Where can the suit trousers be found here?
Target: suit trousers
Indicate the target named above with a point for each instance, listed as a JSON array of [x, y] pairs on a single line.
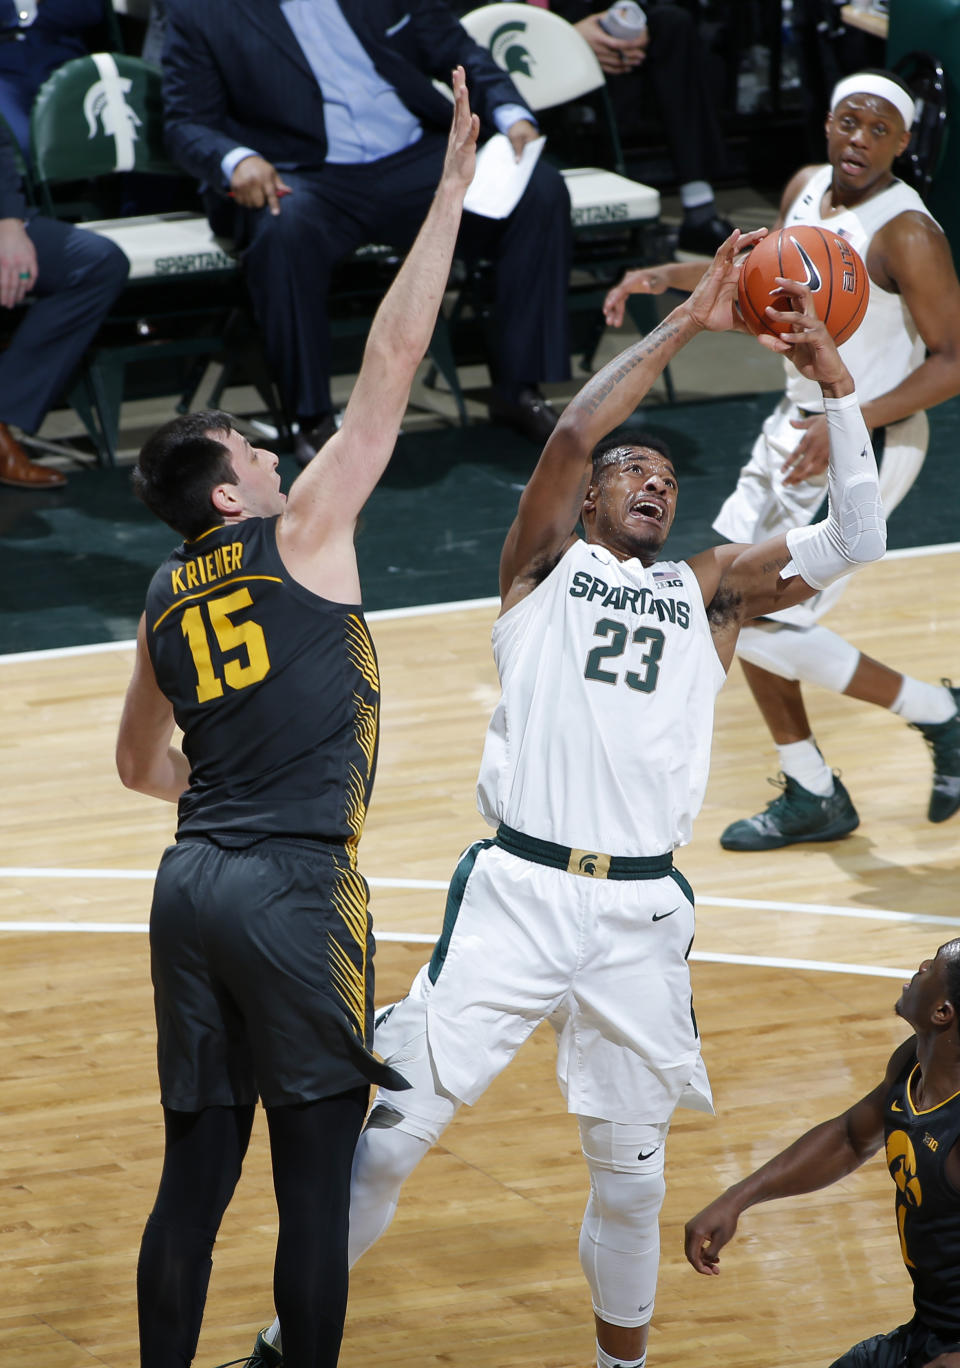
[[673, 86], [288, 258], [79, 275]]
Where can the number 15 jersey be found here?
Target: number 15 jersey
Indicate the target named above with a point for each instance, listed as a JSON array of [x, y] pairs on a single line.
[[601, 739], [276, 690]]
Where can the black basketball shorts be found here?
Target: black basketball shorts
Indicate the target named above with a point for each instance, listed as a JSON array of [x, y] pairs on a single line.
[[262, 964]]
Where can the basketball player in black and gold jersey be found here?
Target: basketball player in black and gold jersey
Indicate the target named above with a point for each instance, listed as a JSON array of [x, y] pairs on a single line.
[[915, 1112], [253, 643]]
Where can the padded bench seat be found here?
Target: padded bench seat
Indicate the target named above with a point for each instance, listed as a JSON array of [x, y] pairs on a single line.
[[161, 245], [179, 244], [599, 197]]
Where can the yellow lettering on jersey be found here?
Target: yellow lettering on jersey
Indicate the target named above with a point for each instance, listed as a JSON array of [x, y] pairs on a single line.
[[206, 569], [931, 1143]]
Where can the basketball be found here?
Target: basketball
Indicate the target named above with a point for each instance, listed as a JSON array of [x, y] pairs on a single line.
[[823, 260]]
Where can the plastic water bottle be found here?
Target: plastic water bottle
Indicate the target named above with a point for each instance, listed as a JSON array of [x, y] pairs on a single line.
[[625, 19]]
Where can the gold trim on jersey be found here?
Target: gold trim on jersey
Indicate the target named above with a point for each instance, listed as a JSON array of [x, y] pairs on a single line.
[[924, 1111], [354, 811], [360, 650], [365, 729], [213, 589], [349, 901], [192, 541]]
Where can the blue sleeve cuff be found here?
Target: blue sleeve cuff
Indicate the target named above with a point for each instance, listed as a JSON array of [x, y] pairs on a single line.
[[232, 159], [505, 116]]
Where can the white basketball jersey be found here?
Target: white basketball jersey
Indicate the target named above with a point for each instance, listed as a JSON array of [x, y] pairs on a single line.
[[601, 739], [886, 347]]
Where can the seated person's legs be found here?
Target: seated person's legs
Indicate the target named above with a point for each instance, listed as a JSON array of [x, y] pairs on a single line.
[[78, 276], [287, 259]]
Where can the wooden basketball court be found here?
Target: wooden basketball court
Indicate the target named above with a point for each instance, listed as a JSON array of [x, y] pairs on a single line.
[[798, 961]]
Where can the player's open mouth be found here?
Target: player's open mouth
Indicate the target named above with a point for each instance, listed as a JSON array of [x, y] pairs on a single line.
[[648, 508], [851, 166]]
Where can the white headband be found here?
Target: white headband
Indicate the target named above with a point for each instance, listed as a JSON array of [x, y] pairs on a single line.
[[867, 83]]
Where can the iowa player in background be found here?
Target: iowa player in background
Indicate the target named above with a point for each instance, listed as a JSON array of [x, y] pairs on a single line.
[[915, 1112], [254, 643]]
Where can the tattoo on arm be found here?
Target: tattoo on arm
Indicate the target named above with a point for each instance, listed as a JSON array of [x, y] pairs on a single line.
[[597, 392]]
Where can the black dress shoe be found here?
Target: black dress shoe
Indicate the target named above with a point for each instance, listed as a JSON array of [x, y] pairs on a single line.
[[528, 413], [307, 444], [703, 239]]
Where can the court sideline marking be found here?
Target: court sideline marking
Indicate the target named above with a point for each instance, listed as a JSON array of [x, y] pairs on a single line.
[[439, 885], [391, 614]]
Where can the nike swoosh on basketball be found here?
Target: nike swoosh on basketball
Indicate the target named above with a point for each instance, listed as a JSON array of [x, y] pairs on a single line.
[[813, 275], [662, 916]]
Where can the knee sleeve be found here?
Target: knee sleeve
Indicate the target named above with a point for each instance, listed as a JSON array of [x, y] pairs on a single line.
[[812, 655], [385, 1157], [620, 1235]]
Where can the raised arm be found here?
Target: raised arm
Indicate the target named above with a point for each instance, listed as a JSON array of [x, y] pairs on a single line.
[[743, 582], [823, 1155], [317, 525], [682, 275], [550, 505]]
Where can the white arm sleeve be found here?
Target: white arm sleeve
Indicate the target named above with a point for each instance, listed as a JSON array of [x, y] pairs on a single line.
[[854, 531]]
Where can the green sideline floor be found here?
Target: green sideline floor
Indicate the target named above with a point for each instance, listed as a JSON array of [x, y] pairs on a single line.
[[74, 564]]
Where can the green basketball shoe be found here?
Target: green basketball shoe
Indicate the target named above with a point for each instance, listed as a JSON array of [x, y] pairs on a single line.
[[797, 815], [943, 738], [264, 1355]]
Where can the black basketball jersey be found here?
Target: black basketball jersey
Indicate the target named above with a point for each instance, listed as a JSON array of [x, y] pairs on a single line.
[[927, 1205], [276, 690]]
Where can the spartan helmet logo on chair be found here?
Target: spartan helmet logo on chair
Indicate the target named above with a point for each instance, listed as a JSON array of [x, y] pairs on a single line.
[[104, 103], [509, 51]]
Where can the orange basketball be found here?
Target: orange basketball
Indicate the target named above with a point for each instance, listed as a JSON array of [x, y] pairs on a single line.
[[823, 260]]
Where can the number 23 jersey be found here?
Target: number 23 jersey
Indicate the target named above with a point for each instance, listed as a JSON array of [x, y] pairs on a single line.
[[601, 739], [275, 688]]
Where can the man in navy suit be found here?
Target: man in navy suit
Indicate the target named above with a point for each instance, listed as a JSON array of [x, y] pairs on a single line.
[[315, 127], [37, 36], [72, 277]]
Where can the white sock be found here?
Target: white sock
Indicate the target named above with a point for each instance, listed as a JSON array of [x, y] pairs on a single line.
[[802, 761], [605, 1360], [919, 702], [272, 1336], [695, 193]]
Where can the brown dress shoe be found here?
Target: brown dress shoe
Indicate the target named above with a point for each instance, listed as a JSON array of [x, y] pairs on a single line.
[[17, 469]]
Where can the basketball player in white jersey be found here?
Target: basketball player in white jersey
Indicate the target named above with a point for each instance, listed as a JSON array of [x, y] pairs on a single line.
[[905, 357], [593, 771]]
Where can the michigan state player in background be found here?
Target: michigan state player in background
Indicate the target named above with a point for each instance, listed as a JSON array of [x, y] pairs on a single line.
[[594, 768], [254, 643], [904, 358], [915, 1113]]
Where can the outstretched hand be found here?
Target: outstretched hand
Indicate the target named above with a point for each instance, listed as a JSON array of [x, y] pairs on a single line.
[[460, 161], [705, 1234], [642, 280], [713, 304], [805, 341]]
